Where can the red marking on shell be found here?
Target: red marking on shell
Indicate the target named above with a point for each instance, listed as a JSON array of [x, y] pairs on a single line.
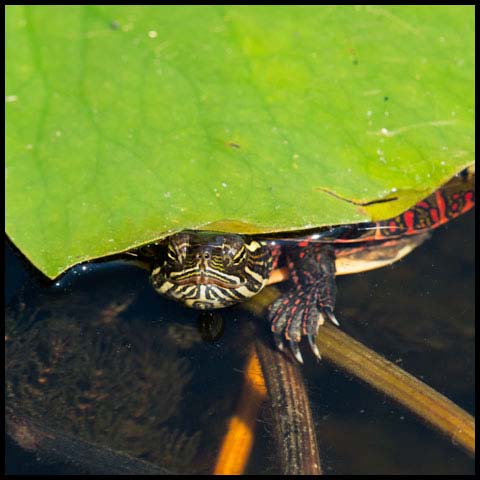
[[441, 206], [304, 243], [434, 215], [301, 254], [469, 203], [454, 207], [392, 226], [455, 196], [409, 218], [423, 204]]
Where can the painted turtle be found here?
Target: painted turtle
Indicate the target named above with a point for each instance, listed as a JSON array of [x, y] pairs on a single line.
[[207, 270]]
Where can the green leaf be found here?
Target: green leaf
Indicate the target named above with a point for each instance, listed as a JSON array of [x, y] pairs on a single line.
[[127, 123]]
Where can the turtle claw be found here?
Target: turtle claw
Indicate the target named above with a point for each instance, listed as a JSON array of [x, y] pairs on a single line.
[[294, 348], [313, 346], [303, 320], [279, 342], [327, 312]]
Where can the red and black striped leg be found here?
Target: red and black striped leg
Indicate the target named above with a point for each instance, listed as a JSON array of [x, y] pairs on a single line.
[[300, 311]]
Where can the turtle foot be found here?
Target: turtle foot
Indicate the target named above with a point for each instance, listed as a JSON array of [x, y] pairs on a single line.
[[295, 315]]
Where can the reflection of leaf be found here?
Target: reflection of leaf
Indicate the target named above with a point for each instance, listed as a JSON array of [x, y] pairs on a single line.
[[127, 123]]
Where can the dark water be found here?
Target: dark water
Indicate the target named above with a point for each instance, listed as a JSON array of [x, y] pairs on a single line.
[[102, 360]]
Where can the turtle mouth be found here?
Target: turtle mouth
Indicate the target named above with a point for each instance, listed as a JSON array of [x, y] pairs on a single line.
[[203, 279]]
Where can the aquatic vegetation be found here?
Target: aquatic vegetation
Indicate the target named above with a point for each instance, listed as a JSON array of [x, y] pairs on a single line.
[[103, 379]]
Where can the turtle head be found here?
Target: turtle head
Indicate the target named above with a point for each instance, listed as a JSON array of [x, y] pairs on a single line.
[[208, 270]]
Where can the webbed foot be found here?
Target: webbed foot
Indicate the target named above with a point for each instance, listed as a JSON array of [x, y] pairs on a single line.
[[295, 315], [300, 312]]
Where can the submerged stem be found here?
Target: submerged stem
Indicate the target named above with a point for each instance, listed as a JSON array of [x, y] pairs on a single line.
[[293, 426], [430, 405], [345, 352]]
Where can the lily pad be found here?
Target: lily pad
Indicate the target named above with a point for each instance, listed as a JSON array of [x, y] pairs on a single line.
[[127, 123]]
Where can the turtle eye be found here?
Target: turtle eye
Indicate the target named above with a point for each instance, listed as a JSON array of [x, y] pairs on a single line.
[[227, 260], [239, 256], [174, 255], [171, 254]]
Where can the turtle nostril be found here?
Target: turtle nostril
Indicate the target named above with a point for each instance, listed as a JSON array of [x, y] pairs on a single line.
[[206, 255]]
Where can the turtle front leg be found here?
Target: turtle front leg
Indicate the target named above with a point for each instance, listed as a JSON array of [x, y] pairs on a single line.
[[300, 311]]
